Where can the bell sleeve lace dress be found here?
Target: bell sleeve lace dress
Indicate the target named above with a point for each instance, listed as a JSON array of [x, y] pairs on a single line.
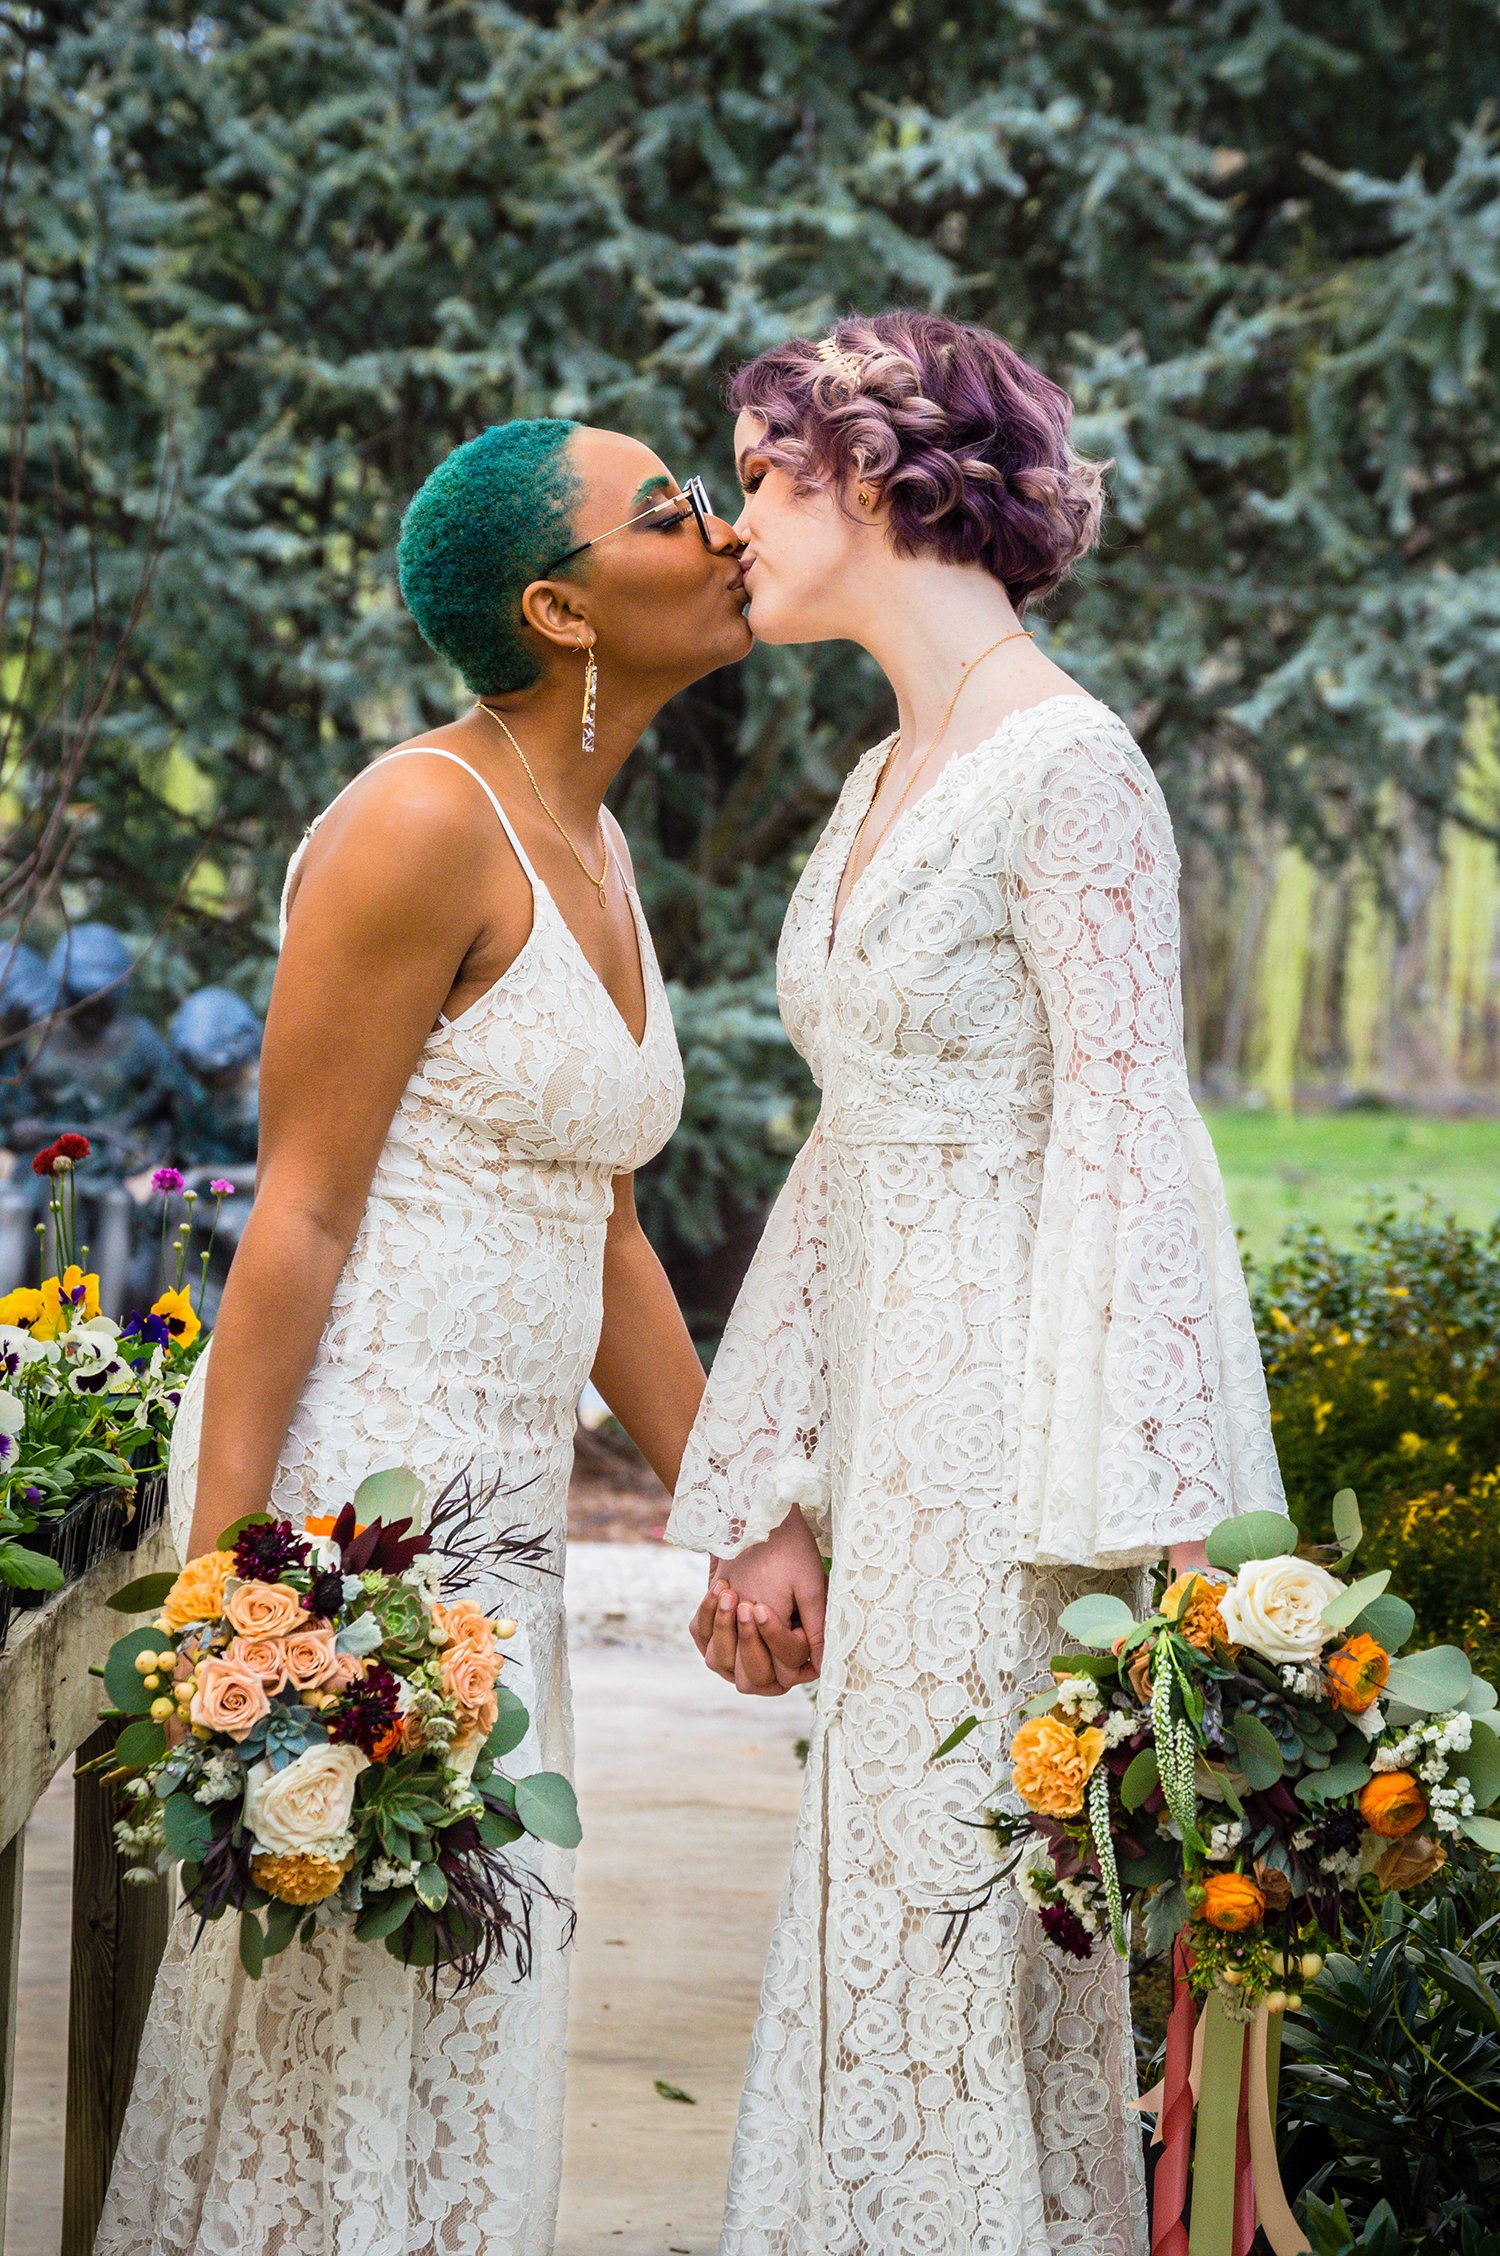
[[996, 1344]]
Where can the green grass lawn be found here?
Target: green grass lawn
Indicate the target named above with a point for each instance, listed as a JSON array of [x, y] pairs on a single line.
[[1323, 1167]]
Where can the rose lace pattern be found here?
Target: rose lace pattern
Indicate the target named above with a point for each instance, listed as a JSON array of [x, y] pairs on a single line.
[[334, 2107], [996, 1343]]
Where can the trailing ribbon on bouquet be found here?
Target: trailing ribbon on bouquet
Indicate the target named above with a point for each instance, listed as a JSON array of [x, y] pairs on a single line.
[[1216, 2102]]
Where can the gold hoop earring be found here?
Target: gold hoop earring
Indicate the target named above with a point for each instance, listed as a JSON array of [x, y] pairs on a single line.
[[590, 700], [866, 500]]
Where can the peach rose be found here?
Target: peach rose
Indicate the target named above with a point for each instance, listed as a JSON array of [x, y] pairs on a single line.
[[1356, 1673], [348, 1668], [1392, 1804], [1232, 1903], [310, 1657], [265, 1657], [230, 1697], [462, 1623], [264, 1609], [198, 1592], [468, 1674], [1051, 1764]]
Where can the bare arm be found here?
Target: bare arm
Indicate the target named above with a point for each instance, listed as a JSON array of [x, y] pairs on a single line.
[[647, 1367], [383, 920]]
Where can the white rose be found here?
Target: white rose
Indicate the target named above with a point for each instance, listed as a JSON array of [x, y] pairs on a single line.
[[293, 1810], [1276, 1606]]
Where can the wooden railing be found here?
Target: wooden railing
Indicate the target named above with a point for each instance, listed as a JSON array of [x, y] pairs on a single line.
[[49, 1712]]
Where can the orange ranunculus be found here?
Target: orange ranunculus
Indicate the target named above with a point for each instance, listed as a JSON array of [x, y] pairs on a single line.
[[389, 1743], [265, 1609], [1051, 1764], [463, 1623], [1232, 1902], [198, 1592], [324, 1523], [1392, 1804], [1191, 1601], [1356, 1673]]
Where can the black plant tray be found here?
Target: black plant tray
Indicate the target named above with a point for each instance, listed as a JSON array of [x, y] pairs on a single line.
[[72, 1538], [150, 1511]]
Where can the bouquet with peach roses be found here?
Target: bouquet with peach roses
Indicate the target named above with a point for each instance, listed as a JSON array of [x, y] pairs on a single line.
[[1241, 1764], [312, 1724]]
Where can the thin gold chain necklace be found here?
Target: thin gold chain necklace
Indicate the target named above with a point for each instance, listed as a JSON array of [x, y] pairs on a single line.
[[1016, 634], [600, 882]]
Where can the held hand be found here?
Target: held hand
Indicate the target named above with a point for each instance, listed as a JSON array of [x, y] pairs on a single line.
[[764, 1633]]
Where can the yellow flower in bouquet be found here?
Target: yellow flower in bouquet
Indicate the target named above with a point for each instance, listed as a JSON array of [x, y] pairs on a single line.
[[1192, 1602], [180, 1316], [198, 1592], [1356, 1673], [55, 1290], [1051, 1764], [301, 1879]]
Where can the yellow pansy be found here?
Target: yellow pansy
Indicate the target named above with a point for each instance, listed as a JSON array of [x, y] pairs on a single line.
[[23, 1306], [180, 1316], [56, 1291]]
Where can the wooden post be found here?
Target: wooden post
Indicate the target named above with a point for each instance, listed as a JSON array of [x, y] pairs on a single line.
[[119, 1933], [10, 1970]]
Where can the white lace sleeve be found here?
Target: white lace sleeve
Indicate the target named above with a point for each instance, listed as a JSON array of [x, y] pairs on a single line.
[[1144, 1412], [756, 1447]]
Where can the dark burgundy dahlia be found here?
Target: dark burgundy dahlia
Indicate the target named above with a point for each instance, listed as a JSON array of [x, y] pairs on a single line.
[[263, 1553], [1066, 1930], [368, 1710]]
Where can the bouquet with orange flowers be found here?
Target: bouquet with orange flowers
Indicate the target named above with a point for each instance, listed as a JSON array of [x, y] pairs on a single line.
[[312, 1727], [1239, 1765]]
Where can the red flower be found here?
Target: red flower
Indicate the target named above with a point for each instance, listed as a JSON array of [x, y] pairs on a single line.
[[46, 1161], [73, 1146]]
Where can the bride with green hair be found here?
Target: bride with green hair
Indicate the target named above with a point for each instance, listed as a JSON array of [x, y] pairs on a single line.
[[467, 1054]]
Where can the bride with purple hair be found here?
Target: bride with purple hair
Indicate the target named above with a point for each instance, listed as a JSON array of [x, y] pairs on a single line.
[[995, 1347]]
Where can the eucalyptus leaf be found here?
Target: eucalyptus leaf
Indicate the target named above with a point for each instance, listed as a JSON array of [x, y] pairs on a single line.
[[1140, 1780], [140, 1744], [1250, 1535], [548, 1808], [1260, 1756], [955, 1738], [252, 1944], [1484, 1830], [384, 1913], [189, 1827], [123, 1681], [1481, 1698], [146, 1595], [1347, 1525], [1388, 1619], [1480, 1765], [1346, 1609], [1343, 1777], [229, 1536], [1430, 1681], [510, 1726], [395, 1494], [1097, 1619]]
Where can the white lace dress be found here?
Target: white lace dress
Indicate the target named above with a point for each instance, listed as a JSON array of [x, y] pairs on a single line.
[[996, 1343], [333, 2108]]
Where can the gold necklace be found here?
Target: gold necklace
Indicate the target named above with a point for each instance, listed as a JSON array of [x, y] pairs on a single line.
[[598, 883], [856, 874]]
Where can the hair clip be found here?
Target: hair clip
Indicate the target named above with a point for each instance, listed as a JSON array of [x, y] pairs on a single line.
[[848, 366]]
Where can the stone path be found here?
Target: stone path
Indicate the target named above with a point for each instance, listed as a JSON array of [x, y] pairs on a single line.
[[688, 1794]]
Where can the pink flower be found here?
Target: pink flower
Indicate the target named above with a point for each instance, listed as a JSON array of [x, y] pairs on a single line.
[[264, 1656], [310, 1657], [220, 1188], [168, 1180], [230, 1698], [264, 1609]]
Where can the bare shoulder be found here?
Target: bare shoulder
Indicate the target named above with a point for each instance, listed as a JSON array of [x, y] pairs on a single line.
[[406, 829]]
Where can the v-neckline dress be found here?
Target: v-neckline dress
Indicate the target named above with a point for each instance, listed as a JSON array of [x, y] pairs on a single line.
[[996, 1344], [334, 2108]]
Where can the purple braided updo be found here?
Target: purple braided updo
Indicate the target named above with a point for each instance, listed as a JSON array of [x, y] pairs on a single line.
[[965, 441]]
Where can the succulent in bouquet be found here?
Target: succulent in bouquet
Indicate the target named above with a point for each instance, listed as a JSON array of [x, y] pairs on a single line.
[[1244, 1763], [313, 1724]]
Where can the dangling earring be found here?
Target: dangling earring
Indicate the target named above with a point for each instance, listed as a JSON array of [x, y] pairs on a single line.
[[590, 701]]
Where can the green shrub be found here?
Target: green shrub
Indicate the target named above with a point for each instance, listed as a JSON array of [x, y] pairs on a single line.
[[1383, 1362], [1391, 2087]]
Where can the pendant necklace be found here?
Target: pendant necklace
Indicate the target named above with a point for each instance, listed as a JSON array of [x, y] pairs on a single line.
[[600, 882]]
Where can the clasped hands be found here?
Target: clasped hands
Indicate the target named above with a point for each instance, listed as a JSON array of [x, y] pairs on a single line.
[[760, 1624]]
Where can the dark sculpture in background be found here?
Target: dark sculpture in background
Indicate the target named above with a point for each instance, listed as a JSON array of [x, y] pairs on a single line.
[[74, 1055]]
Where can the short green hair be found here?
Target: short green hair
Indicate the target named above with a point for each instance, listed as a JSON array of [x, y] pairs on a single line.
[[487, 522]]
